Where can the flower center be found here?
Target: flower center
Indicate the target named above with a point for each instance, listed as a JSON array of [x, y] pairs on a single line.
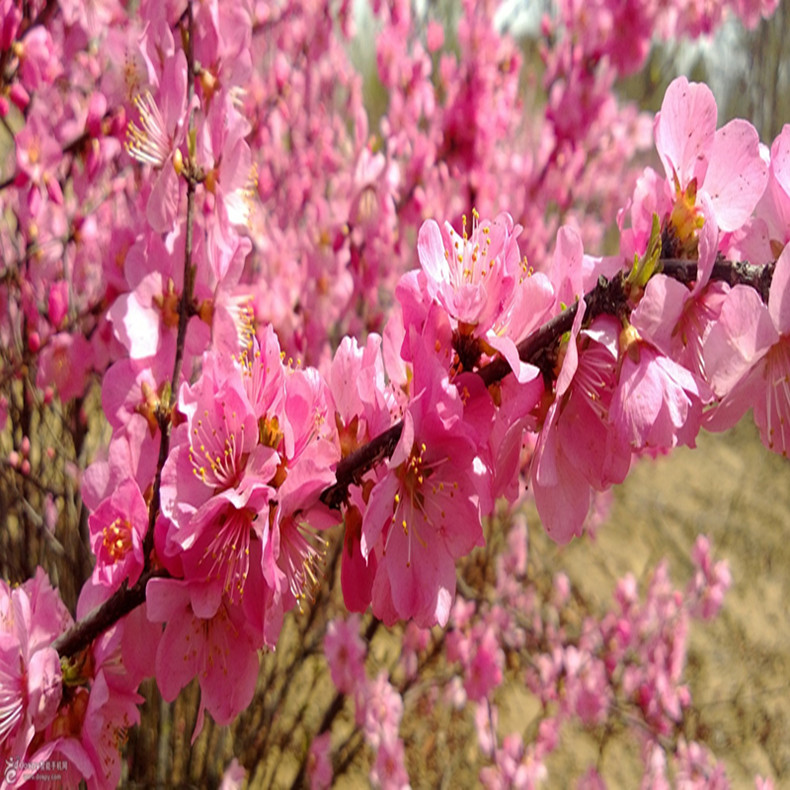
[[117, 539]]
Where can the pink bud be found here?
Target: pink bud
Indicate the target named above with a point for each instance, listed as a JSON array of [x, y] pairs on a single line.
[[50, 513], [562, 589], [53, 190], [97, 107], [434, 37], [25, 468], [33, 201], [25, 446], [19, 96], [58, 303], [34, 342]]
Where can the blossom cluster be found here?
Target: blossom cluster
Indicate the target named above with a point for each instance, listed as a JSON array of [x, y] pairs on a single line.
[[191, 222], [626, 663]]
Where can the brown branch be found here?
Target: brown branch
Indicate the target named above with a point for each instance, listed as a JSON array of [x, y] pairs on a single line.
[[104, 616]]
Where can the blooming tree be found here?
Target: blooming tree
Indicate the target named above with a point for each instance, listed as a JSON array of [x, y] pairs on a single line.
[[322, 341]]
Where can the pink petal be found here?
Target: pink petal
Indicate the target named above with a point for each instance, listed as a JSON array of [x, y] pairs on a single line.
[[780, 159], [430, 250], [507, 348], [230, 682], [162, 207], [737, 174], [779, 296], [685, 129], [562, 497], [660, 310], [740, 337], [708, 242], [567, 273]]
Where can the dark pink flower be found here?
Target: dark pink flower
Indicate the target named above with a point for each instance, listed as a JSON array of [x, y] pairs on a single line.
[[117, 529], [425, 512], [205, 638]]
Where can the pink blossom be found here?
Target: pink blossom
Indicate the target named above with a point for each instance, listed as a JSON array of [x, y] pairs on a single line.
[[747, 354], [233, 777], [156, 140], [38, 63], [31, 617], [484, 286], [319, 762], [379, 709], [470, 275], [225, 156], [774, 206], [577, 450], [130, 454], [695, 154], [486, 721], [711, 580], [345, 653], [424, 513], [389, 769], [145, 318], [65, 362], [484, 673], [117, 528], [204, 637], [515, 766], [308, 455], [657, 403]]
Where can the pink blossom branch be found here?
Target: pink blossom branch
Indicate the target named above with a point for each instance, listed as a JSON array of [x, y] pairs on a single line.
[[609, 296], [104, 616], [126, 599]]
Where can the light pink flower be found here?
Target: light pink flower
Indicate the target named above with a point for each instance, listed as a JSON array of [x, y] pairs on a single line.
[[31, 617], [155, 141], [484, 286], [747, 356], [724, 163], [657, 404], [379, 709]]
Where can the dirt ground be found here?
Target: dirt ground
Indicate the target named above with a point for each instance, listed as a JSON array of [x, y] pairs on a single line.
[[738, 667]]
